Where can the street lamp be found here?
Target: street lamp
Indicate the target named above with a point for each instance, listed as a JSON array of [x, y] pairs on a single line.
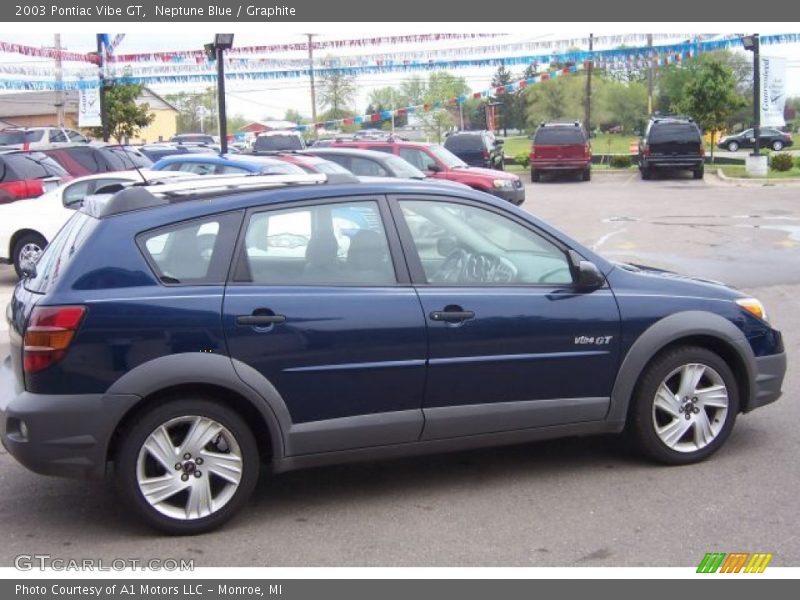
[[756, 164], [216, 51]]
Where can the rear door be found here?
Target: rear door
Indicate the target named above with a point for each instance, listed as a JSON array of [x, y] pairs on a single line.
[[471, 149], [556, 143], [320, 303]]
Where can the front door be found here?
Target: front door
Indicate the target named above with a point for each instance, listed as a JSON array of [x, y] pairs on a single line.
[[321, 307], [512, 343]]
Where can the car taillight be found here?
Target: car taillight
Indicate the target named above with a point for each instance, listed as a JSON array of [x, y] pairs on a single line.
[[486, 155], [49, 334], [702, 150], [646, 151], [17, 190]]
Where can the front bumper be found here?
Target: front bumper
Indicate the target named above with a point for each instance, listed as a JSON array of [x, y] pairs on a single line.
[[770, 371], [515, 196], [67, 435]]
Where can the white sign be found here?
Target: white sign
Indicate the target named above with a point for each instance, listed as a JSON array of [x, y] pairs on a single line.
[[89, 107], [773, 90]]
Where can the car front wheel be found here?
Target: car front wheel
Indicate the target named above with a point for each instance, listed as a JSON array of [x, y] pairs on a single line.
[[733, 146], [187, 466], [684, 406], [777, 145]]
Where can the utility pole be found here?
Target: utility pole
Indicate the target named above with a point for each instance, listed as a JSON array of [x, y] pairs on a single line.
[[59, 82], [649, 76], [587, 122], [311, 74], [221, 112], [101, 55]]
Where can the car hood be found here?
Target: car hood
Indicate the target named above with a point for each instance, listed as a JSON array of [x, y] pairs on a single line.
[[677, 283], [489, 173]]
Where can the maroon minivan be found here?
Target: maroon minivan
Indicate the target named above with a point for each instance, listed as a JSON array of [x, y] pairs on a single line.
[[561, 146]]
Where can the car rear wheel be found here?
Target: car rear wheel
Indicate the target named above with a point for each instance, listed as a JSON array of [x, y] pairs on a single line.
[[27, 250], [586, 175], [698, 173], [684, 406], [777, 145], [647, 173], [536, 175], [187, 466], [733, 146]]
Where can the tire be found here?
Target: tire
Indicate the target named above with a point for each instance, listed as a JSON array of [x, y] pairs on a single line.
[[777, 145], [733, 146], [536, 175], [658, 412], [698, 173], [179, 513], [24, 249], [646, 173], [586, 174]]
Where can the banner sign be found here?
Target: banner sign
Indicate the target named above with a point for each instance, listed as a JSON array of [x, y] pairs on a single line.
[[773, 90], [89, 107]]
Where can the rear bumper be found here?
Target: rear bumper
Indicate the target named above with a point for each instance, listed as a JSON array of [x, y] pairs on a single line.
[[67, 435], [770, 371], [561, 165], [672, 162]]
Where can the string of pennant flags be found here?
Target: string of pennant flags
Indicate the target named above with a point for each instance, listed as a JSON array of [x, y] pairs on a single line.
[[610, 59]]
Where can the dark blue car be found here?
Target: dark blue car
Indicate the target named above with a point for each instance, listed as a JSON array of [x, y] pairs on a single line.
[[225, 164], [191, 332]]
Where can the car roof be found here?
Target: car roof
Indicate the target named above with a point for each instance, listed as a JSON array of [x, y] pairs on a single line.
[[344, 151], [388, 142], [248, 160]]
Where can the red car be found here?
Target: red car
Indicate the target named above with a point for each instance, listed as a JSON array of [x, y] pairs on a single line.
[[310, 164], [436, 161], [561, 147]]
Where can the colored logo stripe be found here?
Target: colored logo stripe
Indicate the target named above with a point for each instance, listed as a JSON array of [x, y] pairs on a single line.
[[734, 562], [711, 562], [758, 563]]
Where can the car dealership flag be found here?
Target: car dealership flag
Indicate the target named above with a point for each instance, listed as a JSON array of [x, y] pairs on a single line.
[[89, 107], [773, 90]]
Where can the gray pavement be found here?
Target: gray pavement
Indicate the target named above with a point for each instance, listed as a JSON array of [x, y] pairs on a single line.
[[572, 502]]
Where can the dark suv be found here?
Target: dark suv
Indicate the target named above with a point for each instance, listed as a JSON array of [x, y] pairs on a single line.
[[561, 147], [190, 332], [477, 148], [671, 143]]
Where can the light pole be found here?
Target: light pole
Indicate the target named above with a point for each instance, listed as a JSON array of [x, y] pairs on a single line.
[[216, 50], [756, 164]]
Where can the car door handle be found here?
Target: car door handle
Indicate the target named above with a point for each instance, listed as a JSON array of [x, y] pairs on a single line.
[[260, 319], [452, 316]]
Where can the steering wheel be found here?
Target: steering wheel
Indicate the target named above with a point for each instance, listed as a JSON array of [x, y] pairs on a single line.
[[550, 273], [489, 268], [453, 267]]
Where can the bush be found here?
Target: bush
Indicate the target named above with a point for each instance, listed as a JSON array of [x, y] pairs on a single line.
[[620, 161], [523, 159], [797, 162], [781, 162]]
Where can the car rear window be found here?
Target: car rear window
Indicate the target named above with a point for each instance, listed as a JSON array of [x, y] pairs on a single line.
[[464, 143], [60, 252], [20, 137], [273, 143], [559, 136], [673, 132], [29, 166]]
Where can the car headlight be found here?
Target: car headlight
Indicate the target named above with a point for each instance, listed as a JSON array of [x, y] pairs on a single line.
[[754, 307], [503, 184]]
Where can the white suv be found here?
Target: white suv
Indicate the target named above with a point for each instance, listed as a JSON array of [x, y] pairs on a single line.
[[279, 141], [40, 138]]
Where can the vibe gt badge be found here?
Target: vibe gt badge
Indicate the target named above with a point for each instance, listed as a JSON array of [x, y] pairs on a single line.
[[600, 340]]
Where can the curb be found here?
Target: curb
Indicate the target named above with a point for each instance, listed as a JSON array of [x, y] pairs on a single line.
[[751, 181]]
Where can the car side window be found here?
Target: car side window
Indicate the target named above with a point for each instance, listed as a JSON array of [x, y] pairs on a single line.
[[74, 136], [57, 135], [418, 158], [460, 244], [198, 168], [365, 167], [327, 244], [190, 252], [230, 170]]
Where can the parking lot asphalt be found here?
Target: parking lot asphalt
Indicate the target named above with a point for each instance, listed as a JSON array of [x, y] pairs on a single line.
[[571, 502]]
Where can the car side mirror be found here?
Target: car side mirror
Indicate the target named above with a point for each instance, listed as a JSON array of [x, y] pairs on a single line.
[[434, 168], [499, 142], [587, 275]]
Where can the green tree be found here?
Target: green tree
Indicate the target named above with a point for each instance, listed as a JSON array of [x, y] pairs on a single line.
[[413, 91], [123, 115], [710, 96], [621, 103], [194, 106], [294, 116], [560, 98], [337, 92], [441, 87]]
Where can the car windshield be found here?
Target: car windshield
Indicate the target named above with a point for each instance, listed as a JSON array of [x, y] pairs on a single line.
[[403, 168], [20, 137], [447, 157], [328, 167], [274, 143], [280, 168], [465, 142]]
